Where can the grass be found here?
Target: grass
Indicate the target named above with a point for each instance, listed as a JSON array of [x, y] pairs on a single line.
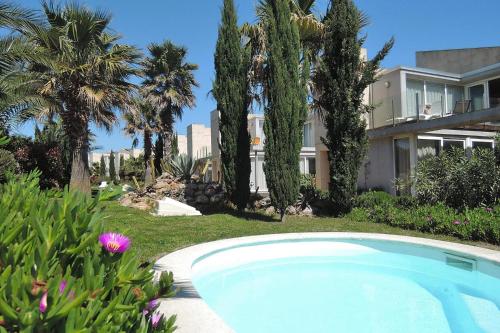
[[153, 237]]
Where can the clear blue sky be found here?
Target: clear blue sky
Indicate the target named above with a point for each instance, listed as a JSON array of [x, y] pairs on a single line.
[[416, 25]]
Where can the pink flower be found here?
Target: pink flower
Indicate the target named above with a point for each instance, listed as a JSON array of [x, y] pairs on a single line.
[[156, 319], [466, 221], [456, 222], [114, 243], [43, 303], [62, 286], [152, 305], [489, 209]]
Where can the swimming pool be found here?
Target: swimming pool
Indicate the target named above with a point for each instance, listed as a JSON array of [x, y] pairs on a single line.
[[331, 284]]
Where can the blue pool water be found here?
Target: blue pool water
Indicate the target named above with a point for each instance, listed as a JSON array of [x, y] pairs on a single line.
[[357, 290]]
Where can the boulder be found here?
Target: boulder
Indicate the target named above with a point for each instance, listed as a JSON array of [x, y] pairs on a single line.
[[202, 199]]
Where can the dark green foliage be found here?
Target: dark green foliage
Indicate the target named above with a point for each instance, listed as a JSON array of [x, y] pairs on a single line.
[[48, 152], [112, 167], [134, 167], [459, 180], [45, 241], [286, 108], [8, 164], [230, 91], [103, 168], [122, 163], [497, 148], [342, 78], [158, 154], [478, 224]]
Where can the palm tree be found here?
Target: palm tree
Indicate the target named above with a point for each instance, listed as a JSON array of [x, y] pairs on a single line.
[[144, 121], [85, 73], [168, 86], [16, 95], [310, 31]]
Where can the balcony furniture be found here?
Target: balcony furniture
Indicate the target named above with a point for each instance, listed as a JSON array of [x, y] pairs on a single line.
[[462, 106]]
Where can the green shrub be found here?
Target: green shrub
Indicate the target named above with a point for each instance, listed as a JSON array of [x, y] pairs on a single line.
[[477, 224], [459, 180], [8, 164], [55, 276]]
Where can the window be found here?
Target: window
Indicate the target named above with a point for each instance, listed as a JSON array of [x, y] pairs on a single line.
[[494, 91], [414, 98], [482, 144], [435, 97], [428, 147], [308, 136], [312, 165], [402, 159], [454, 94], [449, 144], [476, 95]]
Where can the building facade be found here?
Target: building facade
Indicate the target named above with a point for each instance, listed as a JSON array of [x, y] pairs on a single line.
[[450, 99], [423, 110], [198, 141]]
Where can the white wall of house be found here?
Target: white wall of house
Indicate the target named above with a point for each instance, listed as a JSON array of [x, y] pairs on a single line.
[[198, 141], [182, 144]]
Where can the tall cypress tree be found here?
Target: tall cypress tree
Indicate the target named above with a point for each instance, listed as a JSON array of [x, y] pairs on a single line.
[[102, 168], [112, 167], [286, 107], [230, 91], [342, 78], [158, 154]]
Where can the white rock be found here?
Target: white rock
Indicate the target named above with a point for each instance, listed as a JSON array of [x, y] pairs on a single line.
[[171, 207]]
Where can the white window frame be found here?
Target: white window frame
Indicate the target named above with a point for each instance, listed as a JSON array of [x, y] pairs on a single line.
[[445, 102], [472, 140], [486, 100]]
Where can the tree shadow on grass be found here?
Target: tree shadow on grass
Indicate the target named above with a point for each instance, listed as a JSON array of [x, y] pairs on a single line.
[[247, 215]]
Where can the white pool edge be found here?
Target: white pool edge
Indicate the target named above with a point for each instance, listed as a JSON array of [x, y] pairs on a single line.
[[195, 316]]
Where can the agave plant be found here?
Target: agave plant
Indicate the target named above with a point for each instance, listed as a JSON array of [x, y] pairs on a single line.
[[181, 166]]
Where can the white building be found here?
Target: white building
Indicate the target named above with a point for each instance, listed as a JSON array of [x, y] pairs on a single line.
[[198, 141]]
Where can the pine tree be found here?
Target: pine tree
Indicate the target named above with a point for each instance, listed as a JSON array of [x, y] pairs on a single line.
[[342, 78], [112, 167], [286, 107], [230, 91], [102, 169]]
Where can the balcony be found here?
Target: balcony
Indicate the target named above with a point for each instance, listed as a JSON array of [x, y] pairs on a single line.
[[425, 100]]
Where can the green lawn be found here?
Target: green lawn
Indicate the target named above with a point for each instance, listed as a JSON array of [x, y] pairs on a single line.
[[153, 237]]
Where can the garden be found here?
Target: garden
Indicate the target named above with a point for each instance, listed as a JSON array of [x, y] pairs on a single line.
[[76, 257]]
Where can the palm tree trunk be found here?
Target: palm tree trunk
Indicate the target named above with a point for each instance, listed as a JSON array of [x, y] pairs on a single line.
[[167, 145], [80, 172]]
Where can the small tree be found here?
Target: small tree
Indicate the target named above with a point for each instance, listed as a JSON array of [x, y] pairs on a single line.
[[230, 92], [342, 78], [102, 169], [112, 167], [286, 107], [158, 154]]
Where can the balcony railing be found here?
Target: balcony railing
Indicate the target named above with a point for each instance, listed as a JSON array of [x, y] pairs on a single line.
[[388, 112]]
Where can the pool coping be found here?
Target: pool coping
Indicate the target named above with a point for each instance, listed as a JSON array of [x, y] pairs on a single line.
[[195, 316]]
